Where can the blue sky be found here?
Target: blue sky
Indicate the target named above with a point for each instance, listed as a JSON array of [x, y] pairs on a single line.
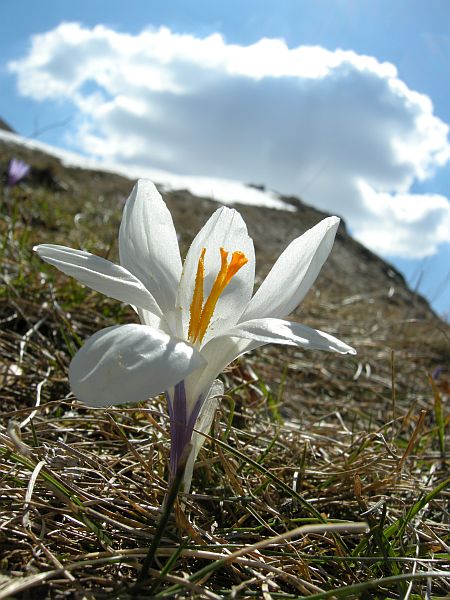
[[413, 36]]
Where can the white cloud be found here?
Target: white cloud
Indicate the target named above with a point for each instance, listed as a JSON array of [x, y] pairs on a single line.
[[425, 220], [339, 129]]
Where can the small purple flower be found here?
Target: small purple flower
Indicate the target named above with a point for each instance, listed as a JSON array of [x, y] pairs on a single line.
[[438, 371], [17, 170]]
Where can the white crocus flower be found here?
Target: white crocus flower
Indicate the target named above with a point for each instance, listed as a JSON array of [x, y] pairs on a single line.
[[195, 318]]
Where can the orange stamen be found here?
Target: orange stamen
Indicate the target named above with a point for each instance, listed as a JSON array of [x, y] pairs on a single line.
[[201, 316]]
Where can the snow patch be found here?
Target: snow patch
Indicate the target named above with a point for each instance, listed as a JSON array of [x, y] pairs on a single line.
[[225, 191]]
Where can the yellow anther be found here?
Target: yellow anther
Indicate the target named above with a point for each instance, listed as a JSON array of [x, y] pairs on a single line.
[[201, 315], [197, 297]]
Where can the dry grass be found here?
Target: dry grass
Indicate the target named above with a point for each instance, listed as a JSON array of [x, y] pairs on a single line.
[[307, 441]]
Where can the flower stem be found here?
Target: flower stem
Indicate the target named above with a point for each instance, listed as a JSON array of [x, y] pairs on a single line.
[[168, 505]]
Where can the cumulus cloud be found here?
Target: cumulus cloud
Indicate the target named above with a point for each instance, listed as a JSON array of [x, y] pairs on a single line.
[[424, 219], [339, 129]]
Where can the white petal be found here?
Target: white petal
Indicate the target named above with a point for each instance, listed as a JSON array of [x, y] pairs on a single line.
[[99, 274], [148, 244], [277, 331], [148, 318], [202, 425], [218, 353], [294, 272], [130, 363], [225, 229], [245, 337]]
